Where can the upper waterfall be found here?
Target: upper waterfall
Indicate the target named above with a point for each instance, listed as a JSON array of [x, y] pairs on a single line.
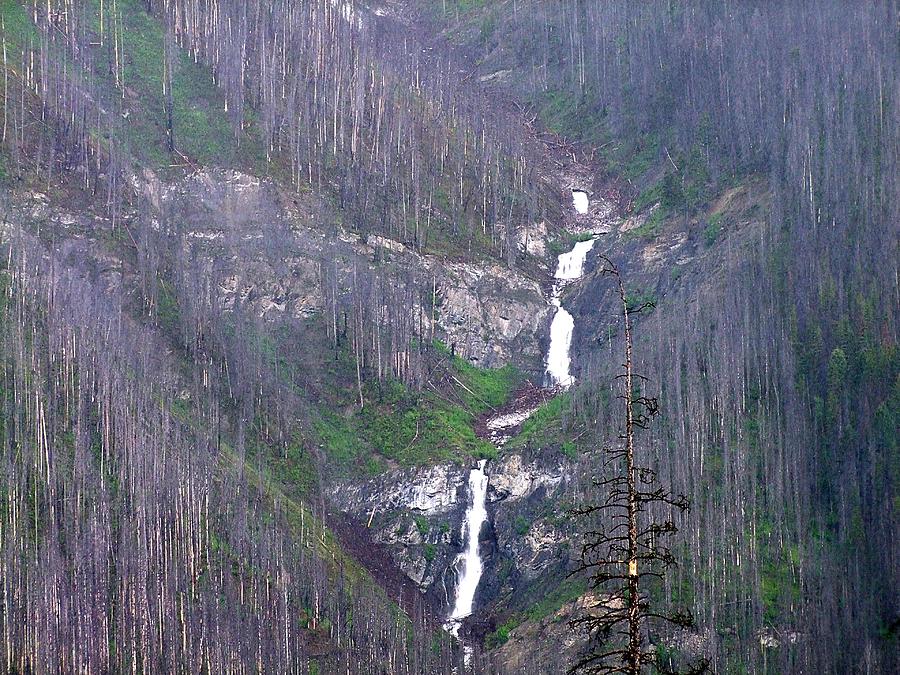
[[580, 201], [570, 266]]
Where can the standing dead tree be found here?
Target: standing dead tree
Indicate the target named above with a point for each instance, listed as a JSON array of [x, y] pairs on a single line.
[[623, 551]]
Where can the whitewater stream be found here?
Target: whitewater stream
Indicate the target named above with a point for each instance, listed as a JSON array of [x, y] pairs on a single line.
[[569, 267], [470, 558], [468, 564]]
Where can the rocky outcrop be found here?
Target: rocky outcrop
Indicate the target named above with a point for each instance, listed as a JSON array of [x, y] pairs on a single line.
[[246, 242], [264, 249], [429, 491], [512, 478], [490, 314], [418, 515]]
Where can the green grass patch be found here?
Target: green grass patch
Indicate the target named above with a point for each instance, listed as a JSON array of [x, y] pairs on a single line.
[[546, 426], [648, 197], [482, 388], [422, 525], [566, 240], [202, 130], [573, 115], [399, 426], [409, 429], [17, 28], [633, 157], [339, 438], [419, 429], [569, 449]]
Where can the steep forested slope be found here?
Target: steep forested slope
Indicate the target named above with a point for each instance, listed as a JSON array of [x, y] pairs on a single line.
[[777, 365], [137, 531], [192, 355]]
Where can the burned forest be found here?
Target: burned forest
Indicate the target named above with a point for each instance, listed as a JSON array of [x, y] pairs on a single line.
[[473, 337]]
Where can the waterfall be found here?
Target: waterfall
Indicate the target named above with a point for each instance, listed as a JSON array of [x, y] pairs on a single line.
[[570, 266], [470, 558], [468, 563], [580, 201]]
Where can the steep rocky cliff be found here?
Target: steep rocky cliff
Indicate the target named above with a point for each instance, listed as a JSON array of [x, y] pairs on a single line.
[[418, 514]]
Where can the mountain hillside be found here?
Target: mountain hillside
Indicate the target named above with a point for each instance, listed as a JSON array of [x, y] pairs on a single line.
[[310, 346]]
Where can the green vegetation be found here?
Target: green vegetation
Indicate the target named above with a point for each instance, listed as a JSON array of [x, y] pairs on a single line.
[[566, 240], [521, 525], [422, 525], [648, 197], [638, 297], [545, 427], [338, 438], [651, 227], [569, 449], [573, 116], [459, 8], [501, 635], [634, 157], [482, 388], [677, 272], [411, 428], [295, 467], [202, 130], [712, 230], [168, 314], [417, 429], [17, 25]]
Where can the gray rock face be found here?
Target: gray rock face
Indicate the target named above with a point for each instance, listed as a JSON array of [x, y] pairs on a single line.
[[429, 491], [259, 249], [245, 240], [511, 478], [418, 514], [538, 549], [491, 314]]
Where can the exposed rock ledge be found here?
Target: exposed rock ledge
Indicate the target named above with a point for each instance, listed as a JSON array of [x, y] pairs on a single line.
[[418, 514]]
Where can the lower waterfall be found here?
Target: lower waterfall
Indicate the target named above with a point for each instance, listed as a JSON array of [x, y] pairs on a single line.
[[470, 557]]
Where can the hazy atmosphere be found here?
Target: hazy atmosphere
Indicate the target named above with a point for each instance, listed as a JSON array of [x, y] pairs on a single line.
[[462, 337]]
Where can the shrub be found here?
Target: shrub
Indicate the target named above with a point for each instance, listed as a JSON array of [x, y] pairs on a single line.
[[712, 230], [521, 525]]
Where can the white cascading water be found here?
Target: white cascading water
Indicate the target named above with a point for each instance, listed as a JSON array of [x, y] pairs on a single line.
[[470, 558], [580, 201], [570, 266]]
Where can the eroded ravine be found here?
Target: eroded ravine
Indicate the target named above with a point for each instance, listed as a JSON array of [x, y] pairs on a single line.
[[503, 423]]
